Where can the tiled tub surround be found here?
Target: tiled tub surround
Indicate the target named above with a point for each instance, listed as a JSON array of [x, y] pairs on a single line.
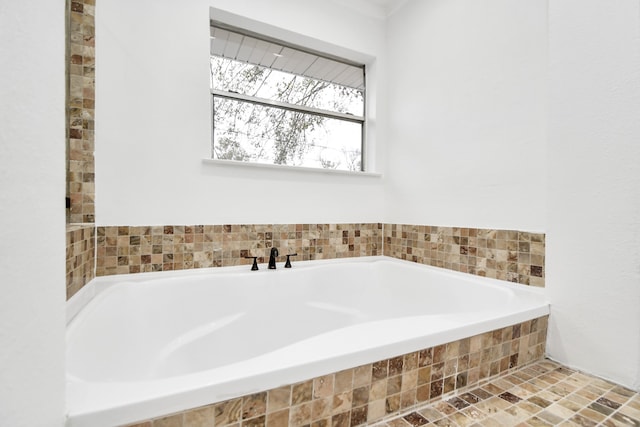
[[515, 256], [319, 317], [378, 390], [125, 249], [80, 110], [80, 256]]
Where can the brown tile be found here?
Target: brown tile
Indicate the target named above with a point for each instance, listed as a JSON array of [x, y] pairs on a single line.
[[254, 405], [260, 421], [392, 404], [423, 393], [509, 397], [360, 396], [458, 403], [321, 408], [424, 375], [395, 366], [199, 417], [342, 402], [322, 423], [169, 421], [608, 403], [436, 388], [379, 370], [228, 412], [301, 392], [624, 419], [605, 410], [582, 421], [394, 385], [341, 420], [378, 390], [300, 415], [481, 394], [362, 376], [415, 419], [444, 408], [358, 416], [323, 386], [278, 419]]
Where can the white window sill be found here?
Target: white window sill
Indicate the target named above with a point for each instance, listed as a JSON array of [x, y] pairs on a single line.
[[303, 169]]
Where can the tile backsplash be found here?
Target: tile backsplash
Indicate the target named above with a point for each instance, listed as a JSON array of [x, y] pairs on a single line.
[[515, 256], [80, 257], [510, 255], [134, 249], [80, 110]]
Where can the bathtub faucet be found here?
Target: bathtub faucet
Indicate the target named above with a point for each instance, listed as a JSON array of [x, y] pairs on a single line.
[[272, 258]]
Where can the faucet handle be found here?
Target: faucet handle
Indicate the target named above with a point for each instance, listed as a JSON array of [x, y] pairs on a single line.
[[287, 264], [254, 267]]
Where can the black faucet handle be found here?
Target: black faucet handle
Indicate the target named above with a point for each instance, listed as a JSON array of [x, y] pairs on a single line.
[[287, 264], [254, 267]]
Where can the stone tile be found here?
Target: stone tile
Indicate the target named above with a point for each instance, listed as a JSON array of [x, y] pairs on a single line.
[[415, 419]]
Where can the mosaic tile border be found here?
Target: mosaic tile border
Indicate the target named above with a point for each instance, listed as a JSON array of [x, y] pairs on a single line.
[[80, 257], [378, 390], [515, 256], [125, 249], [80, 110]]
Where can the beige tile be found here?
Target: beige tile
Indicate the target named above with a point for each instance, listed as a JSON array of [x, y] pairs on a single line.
[[376, 410], [341, 402], [169, 421], [278, 398], [300, 415], [343, 381], [278, 419], [200, 417]]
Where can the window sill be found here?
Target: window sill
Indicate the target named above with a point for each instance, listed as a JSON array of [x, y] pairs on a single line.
[[303, 169]]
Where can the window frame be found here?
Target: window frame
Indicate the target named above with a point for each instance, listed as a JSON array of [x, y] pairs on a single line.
[[361, 120]]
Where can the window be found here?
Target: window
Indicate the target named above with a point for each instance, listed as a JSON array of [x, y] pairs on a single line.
[[276, 103]]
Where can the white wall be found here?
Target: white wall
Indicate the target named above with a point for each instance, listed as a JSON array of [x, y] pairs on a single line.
[[503, 116], [495, 120], [32, 189], [153, 125], [593, 246], [467, 114]]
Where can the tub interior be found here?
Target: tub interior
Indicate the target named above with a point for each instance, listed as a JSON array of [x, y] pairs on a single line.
[[161, 327]]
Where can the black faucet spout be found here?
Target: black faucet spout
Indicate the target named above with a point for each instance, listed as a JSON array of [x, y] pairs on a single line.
[[272, 258]]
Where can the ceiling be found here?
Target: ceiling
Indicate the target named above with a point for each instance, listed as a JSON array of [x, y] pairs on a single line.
[[377, 8]]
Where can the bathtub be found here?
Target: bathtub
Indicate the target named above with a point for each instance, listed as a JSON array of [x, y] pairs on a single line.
[[149, 344]]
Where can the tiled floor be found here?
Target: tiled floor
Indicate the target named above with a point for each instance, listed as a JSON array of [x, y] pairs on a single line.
[[542, 394]]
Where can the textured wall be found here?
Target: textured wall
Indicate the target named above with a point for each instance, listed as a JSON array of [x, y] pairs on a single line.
[[467, 114], [593, 240], [153, 118], [32, 183]]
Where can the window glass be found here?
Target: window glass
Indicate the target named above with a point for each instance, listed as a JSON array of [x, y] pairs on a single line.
[[277, 104]]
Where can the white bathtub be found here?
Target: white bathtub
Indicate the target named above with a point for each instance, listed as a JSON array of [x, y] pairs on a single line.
[[144, 345]]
